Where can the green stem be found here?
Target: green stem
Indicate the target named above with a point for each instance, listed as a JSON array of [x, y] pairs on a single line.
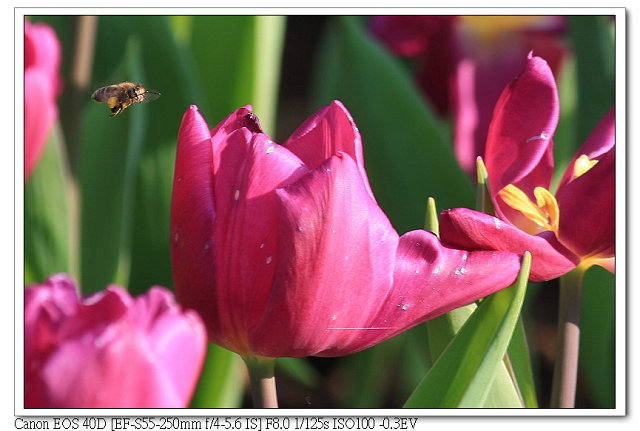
[[565, 373], [263, 381]]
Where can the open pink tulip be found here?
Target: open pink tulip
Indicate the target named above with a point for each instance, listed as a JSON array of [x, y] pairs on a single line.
[[283, 250], [42, 86], [109, 350], [464, 62], [576, 226]]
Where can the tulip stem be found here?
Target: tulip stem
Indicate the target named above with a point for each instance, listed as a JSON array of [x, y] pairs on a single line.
[[263, 381], [565, 373]]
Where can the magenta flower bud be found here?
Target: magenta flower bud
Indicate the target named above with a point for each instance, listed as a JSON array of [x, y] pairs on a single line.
[[283, 250], [109, 350], [42, 86]]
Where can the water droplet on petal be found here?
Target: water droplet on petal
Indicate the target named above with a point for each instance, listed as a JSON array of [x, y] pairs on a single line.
[[496, 221], [463, 270], [176, 237], [262, 245], [465, 256], [269, 259], [270, 149], [236, 195], [405, 306], [436, 270], [457, 271]]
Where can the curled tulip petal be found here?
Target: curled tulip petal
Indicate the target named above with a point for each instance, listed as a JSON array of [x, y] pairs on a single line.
[[473, 230], [519, 145]]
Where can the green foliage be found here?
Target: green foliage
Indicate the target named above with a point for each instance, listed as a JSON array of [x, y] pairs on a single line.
[[47, 240], [463, 374]]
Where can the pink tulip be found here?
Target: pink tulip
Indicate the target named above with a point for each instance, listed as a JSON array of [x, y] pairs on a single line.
[[576, 226], [464, 62], [42, 86], [283, 250], [109, 350]]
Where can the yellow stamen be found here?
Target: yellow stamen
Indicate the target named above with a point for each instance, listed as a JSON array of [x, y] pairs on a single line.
[[582, 165], [544, 213]]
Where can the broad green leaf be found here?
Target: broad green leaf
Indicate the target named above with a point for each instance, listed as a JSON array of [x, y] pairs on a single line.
[[237, 60], [48, 194], [594, 49], [110, 151], [463, 374], [167, 69], [408, 154], [220, 384], [518, 362], [441, 330], [597, 337]]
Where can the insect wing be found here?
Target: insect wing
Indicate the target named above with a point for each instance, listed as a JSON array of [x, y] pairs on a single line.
[[149, 96]]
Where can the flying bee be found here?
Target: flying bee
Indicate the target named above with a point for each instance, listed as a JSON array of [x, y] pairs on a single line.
[[119, 97]]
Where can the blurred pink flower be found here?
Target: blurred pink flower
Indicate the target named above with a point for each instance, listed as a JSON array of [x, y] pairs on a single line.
[[42, 86], [109, 350], [464, 62], [284, 251], [576, 226]]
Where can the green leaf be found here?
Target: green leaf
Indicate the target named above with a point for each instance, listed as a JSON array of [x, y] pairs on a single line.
[[518, 362], [597, 355], [408, 154], [111, 149], [299, 369], [47, 227], [219, 385], [594, 48], [237, 59], [463, 374]]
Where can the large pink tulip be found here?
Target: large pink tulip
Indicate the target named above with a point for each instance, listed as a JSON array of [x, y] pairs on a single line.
[[42, 86], [464, 62], [576, 226], [284, 251], [109, 350]]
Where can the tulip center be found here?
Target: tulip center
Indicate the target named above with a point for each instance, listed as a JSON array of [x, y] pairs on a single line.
[[544, 213], [582, 165]]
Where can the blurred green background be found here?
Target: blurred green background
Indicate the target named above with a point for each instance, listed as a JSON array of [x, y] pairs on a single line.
[[97, 206]]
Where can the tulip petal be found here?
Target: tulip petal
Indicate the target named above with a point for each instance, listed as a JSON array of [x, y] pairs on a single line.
[[599, 142], [333, 270], [40, 112], [587, 211], [155, 337], [519, 147], [472, 230], [327, 132], [193, 213], [109, 349], [430, 280]]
